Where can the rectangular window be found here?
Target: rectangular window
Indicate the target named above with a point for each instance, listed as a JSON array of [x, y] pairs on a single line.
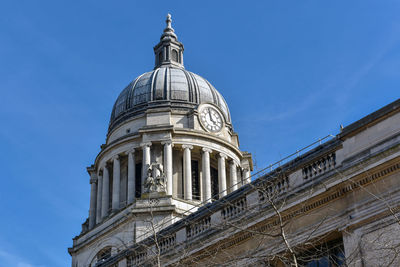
[[195, 180], [214, 184], [138, 180], [329, 254]]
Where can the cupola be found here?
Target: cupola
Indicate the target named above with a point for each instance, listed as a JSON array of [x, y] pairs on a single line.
[[169, 51]]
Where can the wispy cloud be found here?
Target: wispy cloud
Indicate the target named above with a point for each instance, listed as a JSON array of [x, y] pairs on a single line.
[[360, 73], [288, 110], [10, 259]]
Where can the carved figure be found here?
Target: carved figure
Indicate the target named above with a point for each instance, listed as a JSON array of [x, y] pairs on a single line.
[[155, 181]]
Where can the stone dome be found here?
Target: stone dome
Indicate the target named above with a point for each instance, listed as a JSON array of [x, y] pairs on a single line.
[[165, 86], [168, 85]]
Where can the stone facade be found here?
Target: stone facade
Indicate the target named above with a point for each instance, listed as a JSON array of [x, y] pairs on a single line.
[[346, 206], [172, 188]]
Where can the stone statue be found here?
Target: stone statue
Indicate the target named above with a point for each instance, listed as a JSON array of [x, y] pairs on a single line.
[[155, 181]]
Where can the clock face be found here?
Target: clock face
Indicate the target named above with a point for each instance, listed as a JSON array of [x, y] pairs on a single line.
[[211, 118]]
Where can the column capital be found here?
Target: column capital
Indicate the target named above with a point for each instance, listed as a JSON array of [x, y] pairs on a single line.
[[102, 166], [115, 157], [223, 156], [167, 142], [145, 144], [187, 146], [91, 169], [92, 172], [130, 151], [204, 149]]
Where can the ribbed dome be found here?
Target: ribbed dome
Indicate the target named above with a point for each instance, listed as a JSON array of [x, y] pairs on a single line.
[[166, 86]]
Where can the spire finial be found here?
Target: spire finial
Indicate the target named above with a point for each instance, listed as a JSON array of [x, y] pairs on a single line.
[[169, 28], [169, 20]]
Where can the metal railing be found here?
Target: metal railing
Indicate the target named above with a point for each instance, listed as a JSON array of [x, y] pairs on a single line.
[[290, 157]]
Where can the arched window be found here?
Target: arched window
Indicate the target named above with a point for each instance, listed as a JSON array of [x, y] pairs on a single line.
[[103, 254], [175, 55]]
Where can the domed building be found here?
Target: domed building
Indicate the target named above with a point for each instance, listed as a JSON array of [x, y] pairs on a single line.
[[172, 188], [170, 149]]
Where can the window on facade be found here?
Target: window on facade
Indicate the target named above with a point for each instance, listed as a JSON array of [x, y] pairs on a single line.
[[138, 180], [214, 184], [175, 56], [195, 180], [104, 254], [160, 58], [330, 254]]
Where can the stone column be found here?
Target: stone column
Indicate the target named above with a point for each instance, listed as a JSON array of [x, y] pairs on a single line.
[[233, 175], [131, 176], [206, 174], [239, 176], [105, 196], [145, 162], [222, 175], [116, 184], [168, 165], [99, 195], [246, 175], [187, 171], [93, 196]]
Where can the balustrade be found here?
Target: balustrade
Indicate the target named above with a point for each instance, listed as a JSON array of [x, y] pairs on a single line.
[[234, 209], [320, 166], [137, 259], [197, 228], [273, 188], [167, 243]]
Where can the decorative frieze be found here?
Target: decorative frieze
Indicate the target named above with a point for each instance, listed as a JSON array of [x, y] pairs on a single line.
[[320, 166], [199, 227], [234, 209]]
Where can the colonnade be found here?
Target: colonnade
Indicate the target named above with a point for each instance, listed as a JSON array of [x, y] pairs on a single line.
[[100, 180]]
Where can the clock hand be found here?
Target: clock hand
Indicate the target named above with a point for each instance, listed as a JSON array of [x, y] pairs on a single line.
[[211, 118]]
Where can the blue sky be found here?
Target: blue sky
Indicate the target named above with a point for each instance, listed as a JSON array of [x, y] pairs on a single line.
[[291, 72]]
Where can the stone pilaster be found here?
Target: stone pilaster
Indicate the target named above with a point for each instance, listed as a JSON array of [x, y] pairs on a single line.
[[168, 165], [131, 176], [187, 171], [93, 196], [99, 195], [146, 161], [116, 183], [206, 174], [233, 175], [105, 197], [222, 175], [246, 175]]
